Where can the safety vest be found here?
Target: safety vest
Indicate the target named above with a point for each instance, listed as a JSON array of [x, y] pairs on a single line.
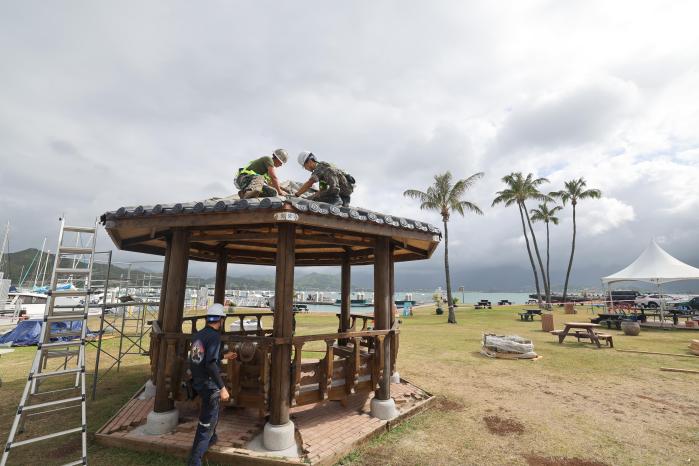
[[246, 171]]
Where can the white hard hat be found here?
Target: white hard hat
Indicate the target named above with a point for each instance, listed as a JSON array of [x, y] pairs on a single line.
[[281, 154], [304, 156], [215, 312]]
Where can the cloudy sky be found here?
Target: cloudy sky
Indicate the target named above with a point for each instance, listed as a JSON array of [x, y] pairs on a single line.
[[104, 104]]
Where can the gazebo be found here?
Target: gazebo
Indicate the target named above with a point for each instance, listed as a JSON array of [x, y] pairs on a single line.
[[271, 375]]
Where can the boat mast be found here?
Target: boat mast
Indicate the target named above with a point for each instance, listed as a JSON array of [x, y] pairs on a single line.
[[46, 263], [4, 242], [38, 266]]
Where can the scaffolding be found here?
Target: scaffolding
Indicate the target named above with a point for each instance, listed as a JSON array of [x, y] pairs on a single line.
[[129, 320]]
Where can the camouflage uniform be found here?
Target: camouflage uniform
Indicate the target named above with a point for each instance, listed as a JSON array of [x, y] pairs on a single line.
[[336, 186], [253, 186]]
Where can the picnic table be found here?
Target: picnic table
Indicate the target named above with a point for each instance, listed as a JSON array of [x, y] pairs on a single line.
[[583, 330], [529, 314]]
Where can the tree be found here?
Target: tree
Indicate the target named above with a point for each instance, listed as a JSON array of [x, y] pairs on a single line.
[[574, 191], [445, 198], [546, 215], [519, 190]]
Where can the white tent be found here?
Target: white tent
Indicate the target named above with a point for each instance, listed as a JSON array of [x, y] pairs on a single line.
[[656, 266]]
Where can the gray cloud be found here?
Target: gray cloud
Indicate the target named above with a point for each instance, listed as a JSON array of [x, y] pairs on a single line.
[[116, 104]]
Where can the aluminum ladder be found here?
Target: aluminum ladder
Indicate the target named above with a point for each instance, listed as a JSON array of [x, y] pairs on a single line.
[[50, 346]]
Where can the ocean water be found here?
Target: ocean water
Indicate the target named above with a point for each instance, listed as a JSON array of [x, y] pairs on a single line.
[[469, 297]]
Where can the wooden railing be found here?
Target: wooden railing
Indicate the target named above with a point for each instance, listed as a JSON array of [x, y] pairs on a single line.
[[355, 366]]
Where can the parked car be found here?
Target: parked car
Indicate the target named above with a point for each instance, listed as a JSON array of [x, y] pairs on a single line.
[[623, 296], [653, 301], [690, 305]]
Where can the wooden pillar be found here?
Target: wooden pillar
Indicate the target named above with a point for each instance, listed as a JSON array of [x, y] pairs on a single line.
[[280, 389], [163, 285], [221, 270], [382, 309], [345, 294], [172, 315]]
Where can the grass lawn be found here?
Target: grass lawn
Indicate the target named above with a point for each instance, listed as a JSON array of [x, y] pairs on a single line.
[[576, 405]]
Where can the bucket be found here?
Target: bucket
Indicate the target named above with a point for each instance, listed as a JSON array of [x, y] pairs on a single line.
[[630, 327], [547, 322]]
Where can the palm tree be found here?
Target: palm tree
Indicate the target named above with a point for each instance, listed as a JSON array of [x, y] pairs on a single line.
[[445, 197], [519, 190], [546, 215], [574, 191]]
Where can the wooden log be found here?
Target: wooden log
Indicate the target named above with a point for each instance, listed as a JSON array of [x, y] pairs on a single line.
[[172, 313], [220, 287], [662, 354], [684, 371], [382, 314], [345, 296], [283, 314]]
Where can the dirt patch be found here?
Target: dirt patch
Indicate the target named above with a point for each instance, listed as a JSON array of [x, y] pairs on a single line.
[[443, 403], [69, 448], [500, 426], [536, 460]]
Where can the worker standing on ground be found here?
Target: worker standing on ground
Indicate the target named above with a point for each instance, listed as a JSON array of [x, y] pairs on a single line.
[[336, 186], [204, 360], [259, 177]]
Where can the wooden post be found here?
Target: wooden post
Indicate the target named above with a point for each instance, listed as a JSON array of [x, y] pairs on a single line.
[[163, 284], [221, 270], [393, 349], [345, 295], [283, 300], [382, 310], [172, 313]]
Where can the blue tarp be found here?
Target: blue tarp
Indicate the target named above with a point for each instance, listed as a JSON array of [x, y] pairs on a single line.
[[27, 332]]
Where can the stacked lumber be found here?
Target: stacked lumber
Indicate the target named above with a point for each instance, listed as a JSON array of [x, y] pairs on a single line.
[[694, 347]]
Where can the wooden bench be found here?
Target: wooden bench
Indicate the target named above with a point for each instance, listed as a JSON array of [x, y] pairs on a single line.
[[600, 336]]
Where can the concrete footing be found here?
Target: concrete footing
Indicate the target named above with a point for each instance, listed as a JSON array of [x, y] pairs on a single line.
[[279, 438], [161, 423], [384, 409]]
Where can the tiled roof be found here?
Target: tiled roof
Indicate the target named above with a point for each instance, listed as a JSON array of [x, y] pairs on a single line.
[[299, 204]]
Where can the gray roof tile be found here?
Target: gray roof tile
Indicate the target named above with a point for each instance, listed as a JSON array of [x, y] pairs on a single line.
[[232, 204]]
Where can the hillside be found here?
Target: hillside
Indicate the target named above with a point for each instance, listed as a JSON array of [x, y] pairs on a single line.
[[16, 264]]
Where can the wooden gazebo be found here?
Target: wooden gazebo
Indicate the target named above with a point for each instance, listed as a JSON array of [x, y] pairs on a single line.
[[271, 376]]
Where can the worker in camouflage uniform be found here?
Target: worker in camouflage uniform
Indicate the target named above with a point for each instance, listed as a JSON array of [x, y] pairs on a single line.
[[336, 186], [259, 177]]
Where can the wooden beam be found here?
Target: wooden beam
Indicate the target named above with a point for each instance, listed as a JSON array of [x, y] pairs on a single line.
[[382, 309], [172, 316], [234, 237], [410, 248], [221, 271], [280, 389], [143, 238]]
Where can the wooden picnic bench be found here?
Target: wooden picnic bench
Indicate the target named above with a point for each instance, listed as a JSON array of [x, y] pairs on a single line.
[[529, 314], [585, 331]]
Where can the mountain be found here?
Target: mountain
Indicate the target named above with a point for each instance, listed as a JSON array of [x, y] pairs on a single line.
[[310, 282], [21, 267]]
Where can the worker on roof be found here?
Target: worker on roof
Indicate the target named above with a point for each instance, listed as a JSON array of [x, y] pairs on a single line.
[[205, 365], [259, 177], [336, 186]]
